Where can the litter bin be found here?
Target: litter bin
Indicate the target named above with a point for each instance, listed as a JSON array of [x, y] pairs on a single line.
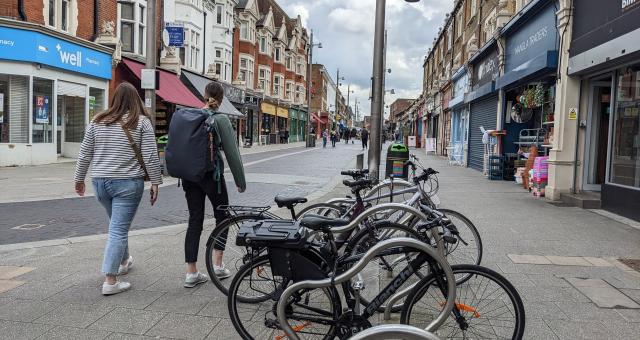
[[397, 155], [311, 140], [162, 144]]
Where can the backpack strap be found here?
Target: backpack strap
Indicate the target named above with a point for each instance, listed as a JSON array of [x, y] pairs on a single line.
[[215, 148]]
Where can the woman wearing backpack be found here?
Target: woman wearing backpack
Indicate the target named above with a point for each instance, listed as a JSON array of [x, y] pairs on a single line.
[[120, 144], [212, 186]]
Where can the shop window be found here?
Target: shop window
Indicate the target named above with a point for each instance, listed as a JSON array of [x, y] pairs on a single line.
[[42, 118], [96, 102], [14, 107], [73, 109], [625, 158]]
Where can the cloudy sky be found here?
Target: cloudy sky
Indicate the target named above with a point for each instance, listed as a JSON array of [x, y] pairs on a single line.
[[346, 28]]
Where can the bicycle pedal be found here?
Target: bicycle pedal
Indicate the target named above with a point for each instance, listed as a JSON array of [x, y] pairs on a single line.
[[450, 239]]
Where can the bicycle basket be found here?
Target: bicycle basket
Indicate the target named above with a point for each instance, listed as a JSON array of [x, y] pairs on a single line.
[[272, 233]]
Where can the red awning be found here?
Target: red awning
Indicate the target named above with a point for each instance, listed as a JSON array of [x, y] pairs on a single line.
[[171, 90], [316, 118]]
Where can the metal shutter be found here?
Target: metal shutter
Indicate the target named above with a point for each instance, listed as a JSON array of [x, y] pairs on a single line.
[[18, 109], [483, 113], [71, 89]]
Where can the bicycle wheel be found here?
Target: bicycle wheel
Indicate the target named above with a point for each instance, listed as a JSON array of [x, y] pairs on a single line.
[[323, 209], [468, 248], [313, 313], [488, 304], [383, 269], [233, 256]]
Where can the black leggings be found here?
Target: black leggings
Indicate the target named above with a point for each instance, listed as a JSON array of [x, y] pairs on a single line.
[[196, 194]]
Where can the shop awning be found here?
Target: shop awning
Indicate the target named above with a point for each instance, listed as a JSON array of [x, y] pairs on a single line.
[[199, 83], [171, 88], [315, 118], [546, 62]]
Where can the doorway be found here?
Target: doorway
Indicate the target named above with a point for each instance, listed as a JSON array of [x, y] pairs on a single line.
[[597, 134]]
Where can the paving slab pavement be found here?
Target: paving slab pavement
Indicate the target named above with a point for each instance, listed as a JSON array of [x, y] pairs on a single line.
[[60, 297]]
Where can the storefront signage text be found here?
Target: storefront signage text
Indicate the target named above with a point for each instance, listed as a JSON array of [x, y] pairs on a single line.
[[234, 94], [29, 46], [486, 69], [533, 39], [629, 4]]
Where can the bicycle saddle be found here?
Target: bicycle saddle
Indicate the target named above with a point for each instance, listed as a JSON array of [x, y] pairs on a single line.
[[289, 202], [319, 222]]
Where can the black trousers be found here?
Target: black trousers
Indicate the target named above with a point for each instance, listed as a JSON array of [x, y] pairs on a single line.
[[196, 194], [365, 141]]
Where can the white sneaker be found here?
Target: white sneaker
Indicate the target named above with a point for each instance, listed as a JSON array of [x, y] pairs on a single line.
[[195, 279], [221, 272], [116, 288], [124, 269]]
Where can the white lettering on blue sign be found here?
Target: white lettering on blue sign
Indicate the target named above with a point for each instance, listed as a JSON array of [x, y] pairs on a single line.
[[532, 40], [36, 47], [626, 4]]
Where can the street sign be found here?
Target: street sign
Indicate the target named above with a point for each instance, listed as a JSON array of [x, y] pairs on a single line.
[[175, 35], [148, 79]]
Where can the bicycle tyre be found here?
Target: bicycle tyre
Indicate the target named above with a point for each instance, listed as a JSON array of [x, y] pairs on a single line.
[[227, 224], [233, 301], [472, 271], [472, 229]]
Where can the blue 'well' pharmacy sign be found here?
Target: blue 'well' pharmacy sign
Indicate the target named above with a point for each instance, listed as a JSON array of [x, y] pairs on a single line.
[[29, 46]]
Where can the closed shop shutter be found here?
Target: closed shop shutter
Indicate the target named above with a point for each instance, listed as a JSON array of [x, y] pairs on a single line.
[[18, 109], [483, 113], [71, 89]]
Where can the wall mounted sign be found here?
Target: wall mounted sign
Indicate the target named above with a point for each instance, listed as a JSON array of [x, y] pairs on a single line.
[[486, 69], [175, 33], [538, 35], [29, 46]]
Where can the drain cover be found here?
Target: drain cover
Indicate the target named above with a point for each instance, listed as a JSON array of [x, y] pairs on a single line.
[[28, 227]]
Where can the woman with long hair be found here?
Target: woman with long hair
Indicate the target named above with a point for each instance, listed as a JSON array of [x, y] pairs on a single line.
[[212, 186], [120, 145]]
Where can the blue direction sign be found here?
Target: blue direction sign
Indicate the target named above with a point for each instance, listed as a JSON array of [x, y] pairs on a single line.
[[176, 35]]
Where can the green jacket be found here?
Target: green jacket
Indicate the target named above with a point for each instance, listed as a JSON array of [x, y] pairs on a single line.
[[226, 139]]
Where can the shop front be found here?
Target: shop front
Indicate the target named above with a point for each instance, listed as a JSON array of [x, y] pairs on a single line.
[[303, 119], [482, 101], [528, 84], [269, 124], [283, 124], [51, 85], [602, 116], [251, 109], [198, 83], [444, 135], [171, 95], [459, 118]]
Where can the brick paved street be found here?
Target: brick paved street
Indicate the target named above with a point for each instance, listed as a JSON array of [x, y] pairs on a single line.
[[543, 249], [296, 171]]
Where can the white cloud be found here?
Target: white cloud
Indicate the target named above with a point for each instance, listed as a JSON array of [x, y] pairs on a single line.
[[345, 29]]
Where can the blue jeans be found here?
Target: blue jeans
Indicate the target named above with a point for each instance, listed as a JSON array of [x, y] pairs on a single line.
[[120, 197]]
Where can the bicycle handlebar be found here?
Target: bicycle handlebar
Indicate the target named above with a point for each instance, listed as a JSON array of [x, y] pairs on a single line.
[[358, 266]]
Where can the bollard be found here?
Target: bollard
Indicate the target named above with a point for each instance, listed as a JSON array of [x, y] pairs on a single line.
[[360, 161]]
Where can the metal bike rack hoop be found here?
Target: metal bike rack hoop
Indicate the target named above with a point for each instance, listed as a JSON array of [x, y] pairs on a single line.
[[384, 332], [353, 271]]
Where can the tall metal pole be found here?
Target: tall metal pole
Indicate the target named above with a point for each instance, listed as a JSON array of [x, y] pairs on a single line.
[[150, 95], [348, 102], [309, 69], [384, 87], [377, 90], [335, 113]]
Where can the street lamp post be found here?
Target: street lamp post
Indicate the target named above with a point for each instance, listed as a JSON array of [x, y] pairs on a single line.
[[338, 79], [310, 143], [150, 94], [377, 88]]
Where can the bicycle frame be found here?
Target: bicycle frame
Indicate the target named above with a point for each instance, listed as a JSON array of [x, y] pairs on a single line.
[[388, 291]]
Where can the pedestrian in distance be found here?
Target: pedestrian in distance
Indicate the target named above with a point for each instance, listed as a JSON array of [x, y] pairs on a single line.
[[325, 134], [211, 186], [334, 136], [120, 146], [364, 135]]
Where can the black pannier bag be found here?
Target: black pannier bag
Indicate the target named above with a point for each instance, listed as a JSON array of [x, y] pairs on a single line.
[[290, 253]]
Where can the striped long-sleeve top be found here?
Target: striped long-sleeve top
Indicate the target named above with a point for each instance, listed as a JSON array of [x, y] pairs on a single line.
[[107, 149]]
